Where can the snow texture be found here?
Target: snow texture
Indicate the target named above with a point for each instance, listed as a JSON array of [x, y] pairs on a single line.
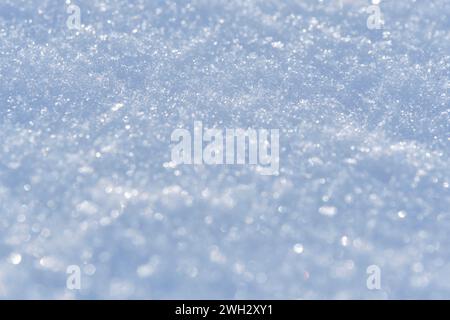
[[86, 117]]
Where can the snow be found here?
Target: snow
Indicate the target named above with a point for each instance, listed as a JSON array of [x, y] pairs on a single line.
[[86, 118]]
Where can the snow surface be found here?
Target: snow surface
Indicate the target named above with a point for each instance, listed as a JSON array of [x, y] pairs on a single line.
[[86, 119]]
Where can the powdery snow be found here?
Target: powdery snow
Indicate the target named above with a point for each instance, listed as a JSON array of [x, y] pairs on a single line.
[[86, 118]]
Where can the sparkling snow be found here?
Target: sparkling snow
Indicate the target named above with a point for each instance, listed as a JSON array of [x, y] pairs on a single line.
[[86, 117]]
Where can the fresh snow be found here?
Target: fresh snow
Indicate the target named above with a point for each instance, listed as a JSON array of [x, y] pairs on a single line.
[[86, 118]]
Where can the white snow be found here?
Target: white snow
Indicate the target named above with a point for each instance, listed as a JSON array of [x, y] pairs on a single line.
[[85, 176]]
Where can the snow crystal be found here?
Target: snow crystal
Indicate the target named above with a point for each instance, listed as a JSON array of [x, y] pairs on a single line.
[[89, 103]]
